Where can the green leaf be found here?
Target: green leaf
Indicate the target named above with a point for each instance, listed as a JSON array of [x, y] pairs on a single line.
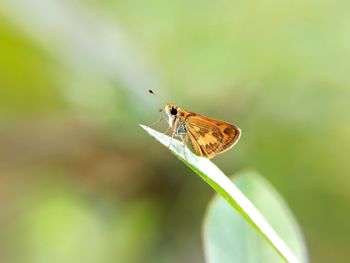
[[229, 238], [212, 175]]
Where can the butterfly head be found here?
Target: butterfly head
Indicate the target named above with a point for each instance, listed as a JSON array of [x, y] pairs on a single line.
[[172, 111]]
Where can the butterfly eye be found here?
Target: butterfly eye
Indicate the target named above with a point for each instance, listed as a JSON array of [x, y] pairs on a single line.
[[173, 111]]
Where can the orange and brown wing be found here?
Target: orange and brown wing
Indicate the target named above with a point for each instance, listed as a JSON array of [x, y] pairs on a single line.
[[210, 137]]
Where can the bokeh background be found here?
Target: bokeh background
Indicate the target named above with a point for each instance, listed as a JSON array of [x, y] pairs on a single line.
[[81, 182]]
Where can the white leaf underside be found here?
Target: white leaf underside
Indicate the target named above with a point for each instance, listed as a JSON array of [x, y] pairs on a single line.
[[222, 184]]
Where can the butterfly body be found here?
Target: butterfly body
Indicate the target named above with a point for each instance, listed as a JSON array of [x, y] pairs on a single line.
[[208, 137]]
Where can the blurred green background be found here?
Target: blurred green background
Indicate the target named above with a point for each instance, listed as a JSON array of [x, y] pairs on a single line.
[[81, 182]]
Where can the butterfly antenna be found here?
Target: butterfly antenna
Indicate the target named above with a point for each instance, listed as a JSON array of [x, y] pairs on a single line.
[[152, 92]]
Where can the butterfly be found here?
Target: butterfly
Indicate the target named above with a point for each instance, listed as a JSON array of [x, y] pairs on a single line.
[[207, 136]]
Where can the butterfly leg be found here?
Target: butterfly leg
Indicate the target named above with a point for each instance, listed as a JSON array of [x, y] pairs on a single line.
[[157, 121], [184, 141], [166, 131], [172, 137]]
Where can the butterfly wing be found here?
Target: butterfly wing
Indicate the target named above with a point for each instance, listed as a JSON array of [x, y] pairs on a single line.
[[210, 137]]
